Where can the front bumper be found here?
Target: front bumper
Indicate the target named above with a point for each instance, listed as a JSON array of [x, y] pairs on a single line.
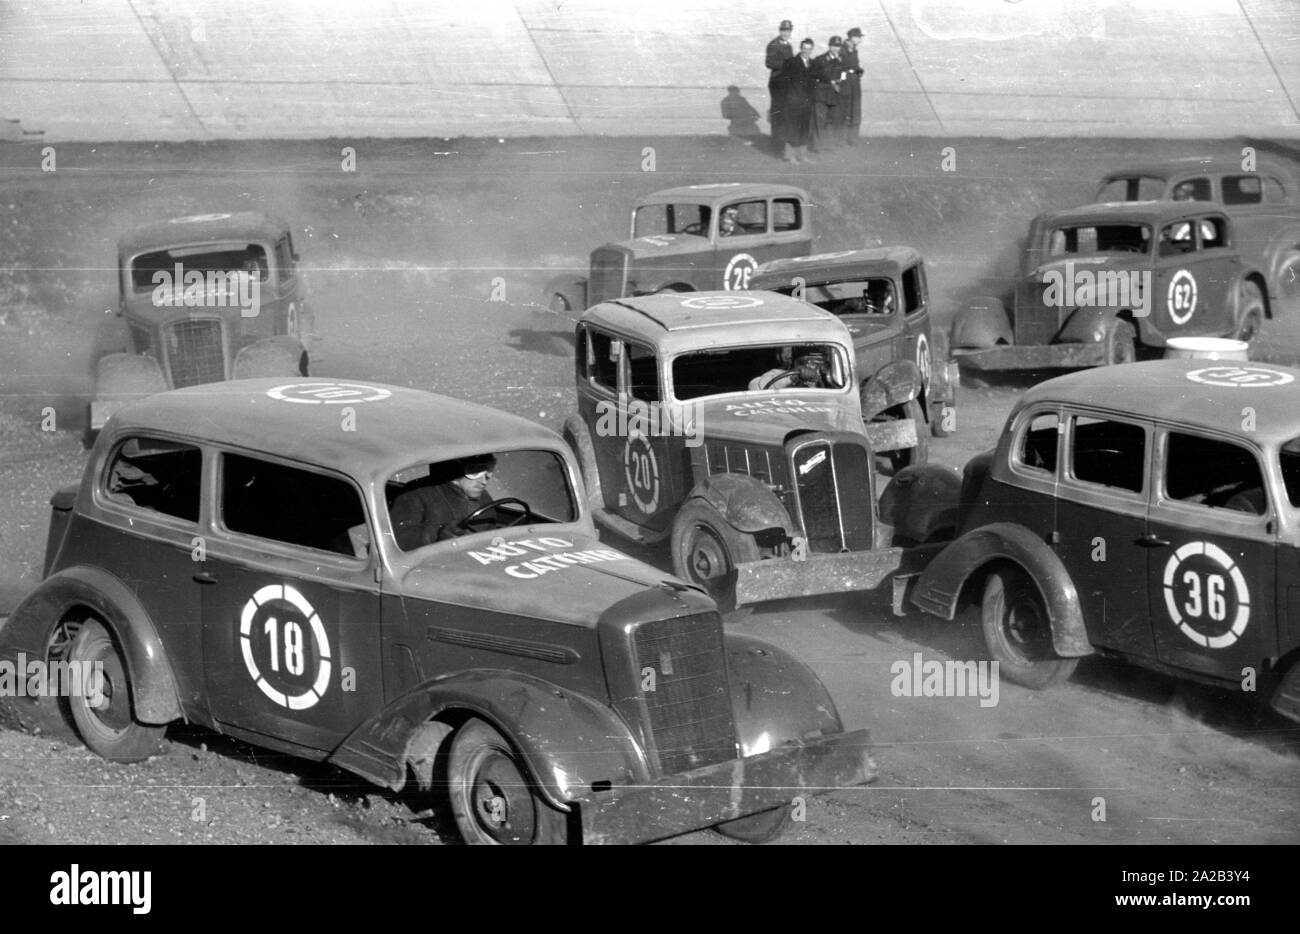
[[781, 578], [687, 801], [1032, 357]]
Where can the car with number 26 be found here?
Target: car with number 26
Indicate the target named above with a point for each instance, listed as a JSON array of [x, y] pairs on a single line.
[[1149, 513], [232, 558]]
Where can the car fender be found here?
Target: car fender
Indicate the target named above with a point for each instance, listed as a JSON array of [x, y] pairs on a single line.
[[572, 288], [744, 502], [940, 585], [1252, 274], [155, 697], [982, 322], [921, 502], [281, 355], [776, 698], [1283, 247], [1087, 325], [578, 437], [892, 385], [568, 741]]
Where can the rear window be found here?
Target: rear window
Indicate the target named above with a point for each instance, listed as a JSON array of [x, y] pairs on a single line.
[[1037, 448], [787, 214], [1141, 188], [1242, 189], [159, 476]]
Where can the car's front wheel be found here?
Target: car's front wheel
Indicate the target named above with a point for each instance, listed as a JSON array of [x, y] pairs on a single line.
[[492, 798], [1250, 313], [101, 700], [1018, 631], [706, 550]]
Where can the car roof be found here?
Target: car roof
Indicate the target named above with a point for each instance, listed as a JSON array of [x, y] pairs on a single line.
[[1154, 212], [677, 321], [840, 265], [1196, 165], [715, 192], [201, 228], [403, 428], [1196, 393]]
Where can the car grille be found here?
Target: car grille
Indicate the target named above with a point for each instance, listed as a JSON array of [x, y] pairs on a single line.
[[608, 275], [763, 464], [197, 353], [689, 711], [834, 495]]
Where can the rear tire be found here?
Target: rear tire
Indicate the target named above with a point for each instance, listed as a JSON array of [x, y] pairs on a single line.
[[706, 550], [1018, 631]]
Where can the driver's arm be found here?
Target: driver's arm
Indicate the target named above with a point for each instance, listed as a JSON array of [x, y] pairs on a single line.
[[408, 515]]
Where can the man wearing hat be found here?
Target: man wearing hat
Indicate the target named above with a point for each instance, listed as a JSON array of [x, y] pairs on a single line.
[[852, 86], [430, 512], [798, 85], [779, 51], [830, 96]]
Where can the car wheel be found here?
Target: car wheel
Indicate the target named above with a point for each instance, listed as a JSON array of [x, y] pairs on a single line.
[[1018, 632], [1121, 343], [107, 727], [706, 550], [492, 798], [1250, 315], [763, 827], [910, 457]]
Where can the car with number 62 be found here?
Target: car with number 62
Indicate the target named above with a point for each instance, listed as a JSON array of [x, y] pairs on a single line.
[[230, 559], [1150, 513]]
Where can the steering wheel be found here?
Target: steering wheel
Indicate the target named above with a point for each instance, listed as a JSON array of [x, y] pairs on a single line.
[[777, 378], [462, 527]]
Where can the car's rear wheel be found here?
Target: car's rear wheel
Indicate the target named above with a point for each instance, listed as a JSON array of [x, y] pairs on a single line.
[[910, 457], [706, 550], [492, 798], [101, 704], [1250, 312], [1018, 631], [763, 827], [1120, 343]]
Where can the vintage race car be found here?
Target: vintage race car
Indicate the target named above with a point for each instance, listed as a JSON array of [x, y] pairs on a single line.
[[1263, 202], [1110, 283], [203, 298], [902, 364], [231, 558], [1150, 513], [692, 238], [730, 423]]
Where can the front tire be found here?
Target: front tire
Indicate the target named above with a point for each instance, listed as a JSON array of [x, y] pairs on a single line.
[[706, 550], [108, 728], [492, 798], [763, 827], [1250, 313], [1019, 633]]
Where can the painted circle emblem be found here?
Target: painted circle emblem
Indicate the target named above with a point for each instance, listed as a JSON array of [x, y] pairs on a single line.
[[323, 393], [1206, 595], [721, 302], [198, 218], [285, 647], [923, 362], [1244, 377], [735, 278], [641, 471], [1181, 298]]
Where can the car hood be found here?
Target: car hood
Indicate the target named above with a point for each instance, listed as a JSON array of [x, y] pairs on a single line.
[[567, 576], [869, 329], [767, 417], [1067, 266], [663, 245]]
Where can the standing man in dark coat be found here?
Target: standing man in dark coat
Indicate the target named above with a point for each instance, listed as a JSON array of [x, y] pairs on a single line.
[[799, 82], [852, 89], [831, 78], [779, 51]]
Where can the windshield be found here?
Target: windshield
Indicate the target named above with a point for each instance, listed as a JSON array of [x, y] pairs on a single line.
[[657, 219], [771, 367], [434, 502], [1100, 238], [227, 260], [1290, 460]]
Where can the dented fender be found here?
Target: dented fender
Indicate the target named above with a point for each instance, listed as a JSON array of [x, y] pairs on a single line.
[[892, 385], [776, 697], [747, 504], [981, 323], [1087, 326]]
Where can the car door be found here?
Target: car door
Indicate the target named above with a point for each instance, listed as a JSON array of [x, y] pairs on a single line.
[[1210, 572], [1101, 522], [649, 453], [599, 359], [1190, 288], [291, 628]]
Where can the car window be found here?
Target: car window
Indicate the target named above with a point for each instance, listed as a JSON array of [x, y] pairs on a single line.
[[1274, 190], [600, 364], [1036, 449], [1192, 189], [426, 501], [1136, 188], [1213, 232], [787, 214], [284, 260], [218, 268], [160, 476], [1290, 460], [1108, 453], [913, 290], [653, 219], [1242, 189], [643, 372], [1213, 473], [873, 296], [289, 505], [1104, 238], [751, 218], [1177, 239], [773, 367]]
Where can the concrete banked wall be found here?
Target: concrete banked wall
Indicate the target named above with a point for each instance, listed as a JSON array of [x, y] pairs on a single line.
[[238, 69]]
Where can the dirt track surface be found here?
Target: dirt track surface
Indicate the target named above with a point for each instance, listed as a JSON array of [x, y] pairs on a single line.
[[402, 256]]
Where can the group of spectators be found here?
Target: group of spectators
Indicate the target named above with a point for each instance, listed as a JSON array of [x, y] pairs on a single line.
[[816, 102]]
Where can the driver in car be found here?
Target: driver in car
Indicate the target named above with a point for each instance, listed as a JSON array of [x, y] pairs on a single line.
[[428, 513], [807, 370]]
